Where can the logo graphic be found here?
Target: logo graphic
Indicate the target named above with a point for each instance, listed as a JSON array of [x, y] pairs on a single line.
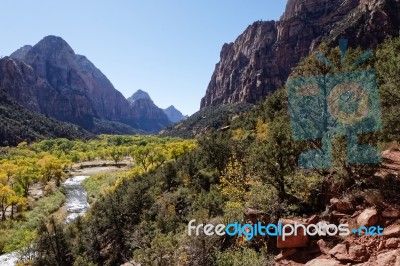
[[339, 104], [250, 230]]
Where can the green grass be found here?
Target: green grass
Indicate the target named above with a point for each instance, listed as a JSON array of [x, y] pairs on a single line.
[[97, 184], [17, 234]]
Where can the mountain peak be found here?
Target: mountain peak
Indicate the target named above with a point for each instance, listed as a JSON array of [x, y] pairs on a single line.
[[139, 94], [174, 114], [53, 39], [53, 45]]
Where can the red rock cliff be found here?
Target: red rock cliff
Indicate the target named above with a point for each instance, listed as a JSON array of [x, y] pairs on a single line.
[[260, 59]]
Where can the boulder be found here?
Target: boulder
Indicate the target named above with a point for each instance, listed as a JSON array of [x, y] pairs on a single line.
[[341, 205], [388, 258], [391, 213], [392, 242], [392, 231], [324, 262], [340, 252], [368, 217], [293, 241], [323, 246], [358, 253], [349, 253]]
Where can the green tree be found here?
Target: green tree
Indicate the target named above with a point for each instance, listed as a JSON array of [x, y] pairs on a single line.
[[276, 157], [388, 68], [216, 150], [51, 247]]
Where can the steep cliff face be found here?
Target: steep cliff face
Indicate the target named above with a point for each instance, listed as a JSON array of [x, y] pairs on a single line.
[[260, 59], [28, 89], [75, 76]]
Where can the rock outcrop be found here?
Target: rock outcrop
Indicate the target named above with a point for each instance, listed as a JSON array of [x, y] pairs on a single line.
[[261, 58]]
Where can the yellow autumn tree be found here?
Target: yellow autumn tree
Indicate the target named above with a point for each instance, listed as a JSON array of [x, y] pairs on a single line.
[[8, 168], [51, 167], [234, 185], [6, 194]]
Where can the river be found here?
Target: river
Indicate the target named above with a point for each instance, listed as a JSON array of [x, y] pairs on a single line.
[[76, 204]]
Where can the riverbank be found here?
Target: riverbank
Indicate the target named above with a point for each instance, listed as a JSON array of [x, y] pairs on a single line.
[[16, 234], [64, 203]]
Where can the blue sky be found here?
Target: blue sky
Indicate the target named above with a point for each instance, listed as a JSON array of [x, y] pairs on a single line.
[[168, 48]]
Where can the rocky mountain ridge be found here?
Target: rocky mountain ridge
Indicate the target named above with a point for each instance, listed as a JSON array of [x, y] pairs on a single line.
[[261, 58], [51, 79]]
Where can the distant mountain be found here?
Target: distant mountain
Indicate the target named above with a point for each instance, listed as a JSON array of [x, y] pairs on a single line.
[[146, 114], [174, 115], [51, 79], [139, 94], [19, 124]]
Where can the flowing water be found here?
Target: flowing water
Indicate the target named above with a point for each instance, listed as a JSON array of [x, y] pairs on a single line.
[[9, 259], [75, 204]]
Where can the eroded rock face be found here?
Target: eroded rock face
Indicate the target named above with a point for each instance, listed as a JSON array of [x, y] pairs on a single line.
[[261, 58]]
